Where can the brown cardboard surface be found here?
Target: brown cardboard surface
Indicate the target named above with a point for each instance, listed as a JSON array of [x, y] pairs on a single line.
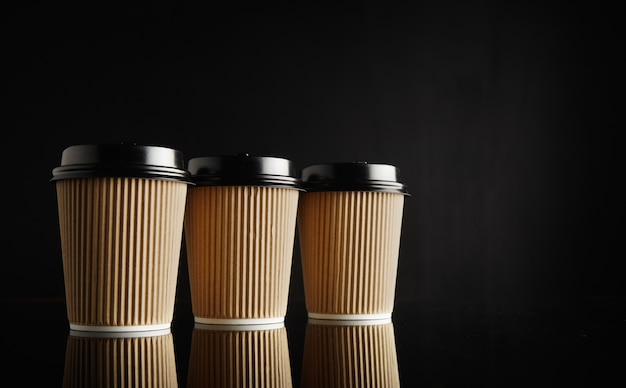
[[239, 246], [349, 243], [121, 241]]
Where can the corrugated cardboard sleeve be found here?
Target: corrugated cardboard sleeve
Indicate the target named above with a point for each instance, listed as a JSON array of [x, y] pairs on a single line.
[[239, 246], [121, 240], [349, 243]]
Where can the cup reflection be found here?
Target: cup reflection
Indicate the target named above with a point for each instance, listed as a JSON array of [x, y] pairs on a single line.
[[139, 359], [239, 356], [349, 354]]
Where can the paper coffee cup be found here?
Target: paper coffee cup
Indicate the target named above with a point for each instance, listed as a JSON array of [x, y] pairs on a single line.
[[239, 356], [349, 354], [109, 361], [121, 210], [239, 232], [349, 227]]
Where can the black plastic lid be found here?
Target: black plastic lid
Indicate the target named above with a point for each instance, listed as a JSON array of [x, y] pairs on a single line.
[[243, 170], [121, 160], [353, 176]]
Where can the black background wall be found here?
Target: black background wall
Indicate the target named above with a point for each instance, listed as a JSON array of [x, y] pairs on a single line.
[[503, 119]]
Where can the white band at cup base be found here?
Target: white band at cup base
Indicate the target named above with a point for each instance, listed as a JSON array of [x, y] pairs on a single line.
[[246, 327], [239, 321], [120, 329], [347, 322], [124, 334], [351, 317]]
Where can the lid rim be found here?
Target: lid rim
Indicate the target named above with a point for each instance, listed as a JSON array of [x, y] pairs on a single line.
[[243, 170], [353, 176], [253, 184], [121, 160], [86, 174], [373, 189]]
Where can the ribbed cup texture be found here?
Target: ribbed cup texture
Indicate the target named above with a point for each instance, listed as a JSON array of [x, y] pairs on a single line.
[[120, 241], [256, 358], [120, 362], [349, 244], [239, 247], [350, 356]]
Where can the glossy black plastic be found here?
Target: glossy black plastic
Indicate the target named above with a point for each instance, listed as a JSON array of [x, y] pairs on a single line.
[[243, 170], [353, 176], [121, 160]]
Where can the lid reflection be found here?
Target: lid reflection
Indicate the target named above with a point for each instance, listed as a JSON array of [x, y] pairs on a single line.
[[349, 354], [239, 356], [110, 360]]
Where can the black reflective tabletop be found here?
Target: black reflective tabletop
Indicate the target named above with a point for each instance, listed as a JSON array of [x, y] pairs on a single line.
[[551, 344]]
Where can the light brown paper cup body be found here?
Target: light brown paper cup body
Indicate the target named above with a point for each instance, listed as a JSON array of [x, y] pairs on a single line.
[[120, 362], [349, 355], [349, 244], [239, 247], [120, 241], [232, 357]]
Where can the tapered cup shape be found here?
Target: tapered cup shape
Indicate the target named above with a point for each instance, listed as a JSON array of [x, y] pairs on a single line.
[[239, 231], [121, 211], [349, 226]]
